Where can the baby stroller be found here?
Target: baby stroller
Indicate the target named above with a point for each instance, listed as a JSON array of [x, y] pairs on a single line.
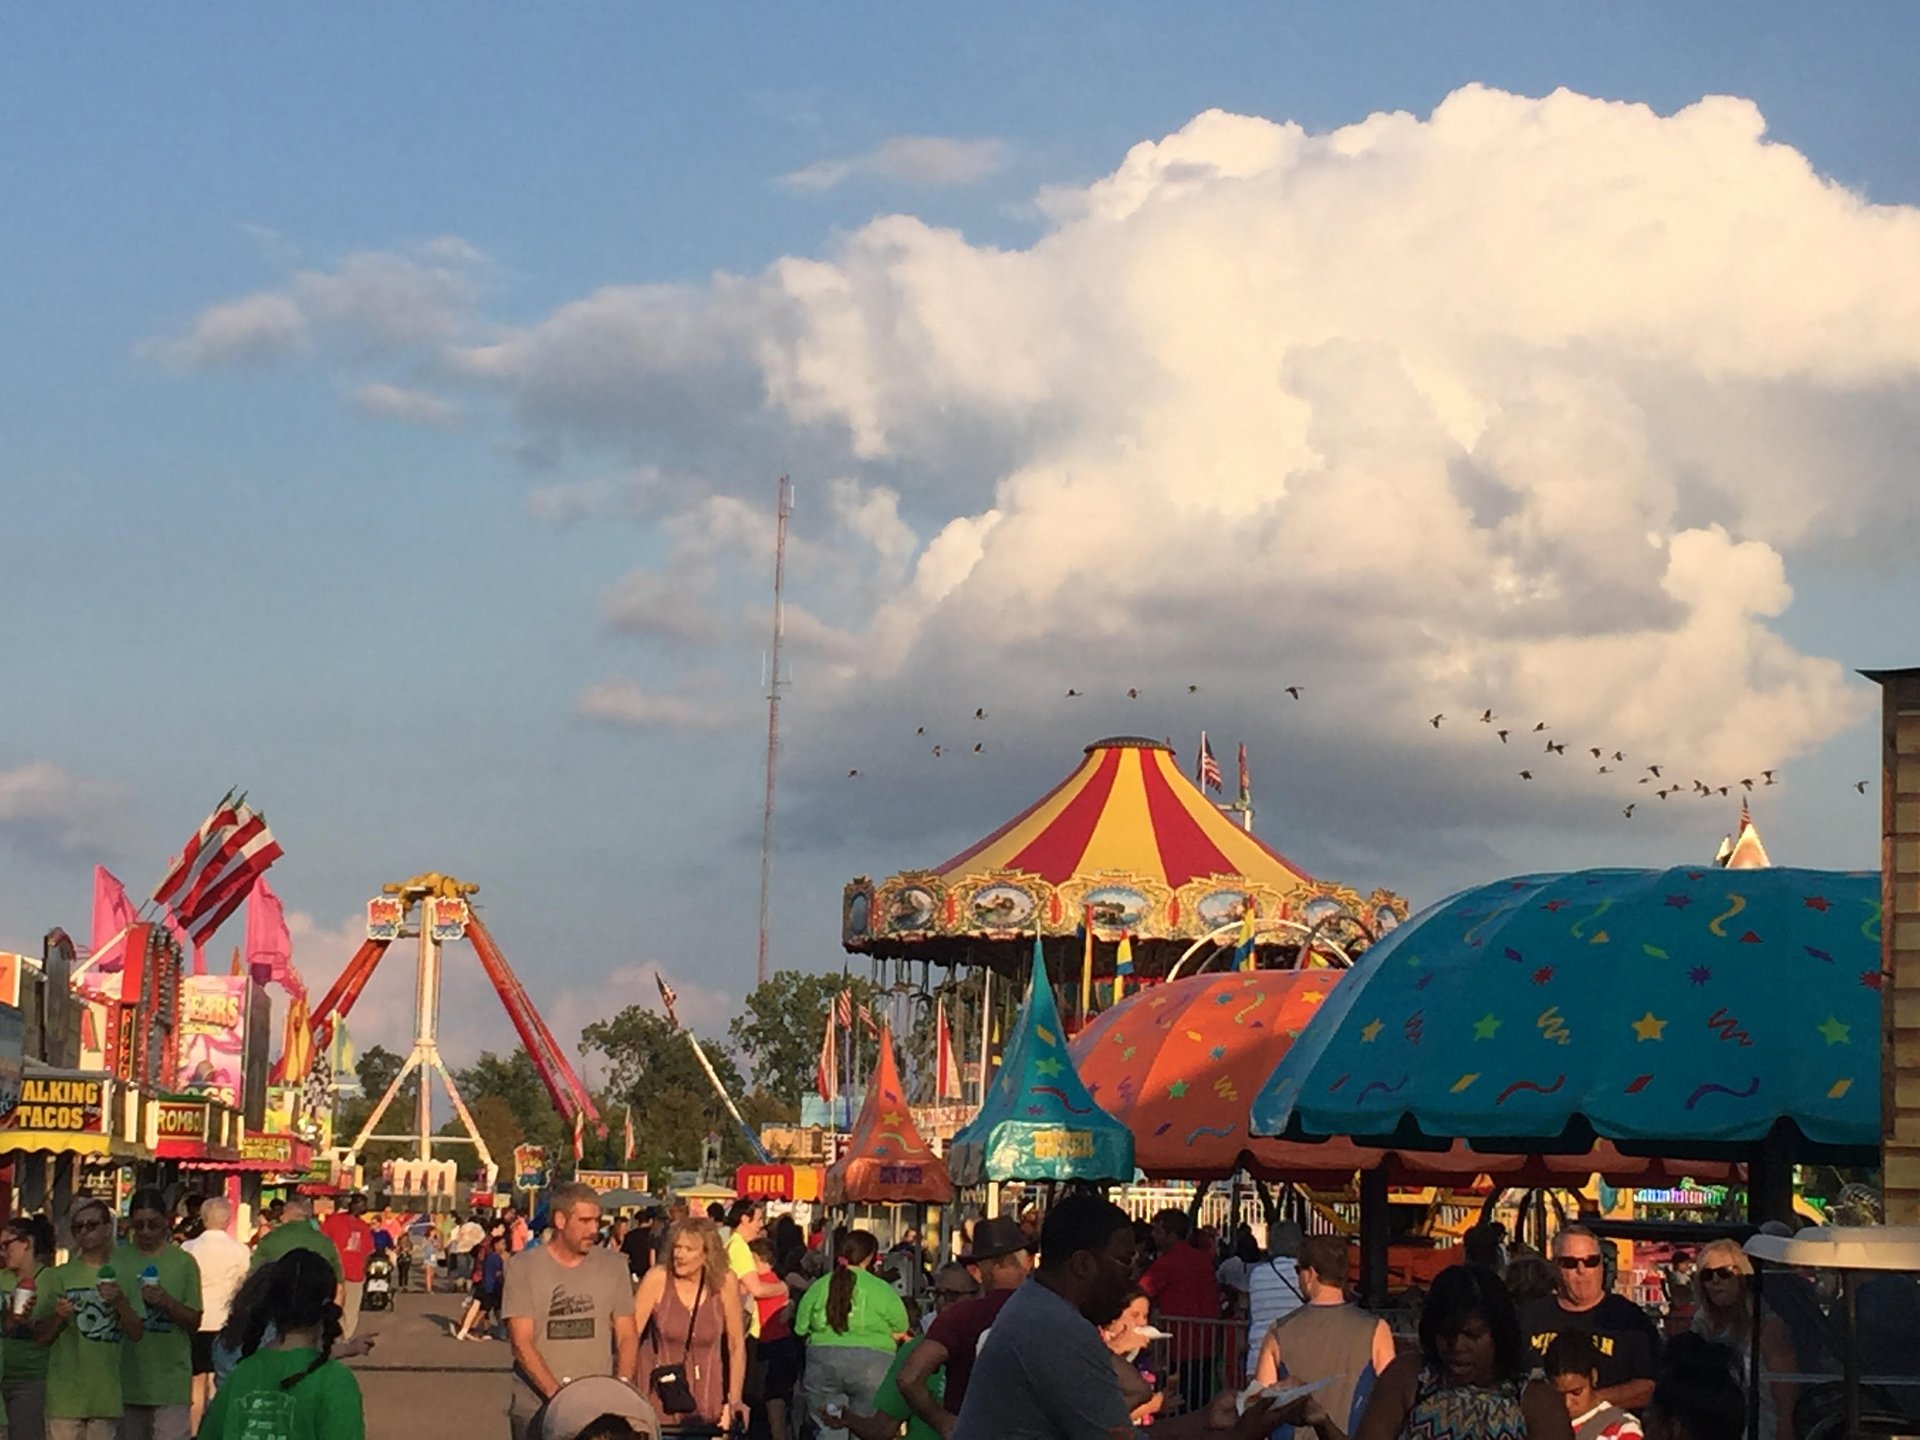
[[377, 1292]]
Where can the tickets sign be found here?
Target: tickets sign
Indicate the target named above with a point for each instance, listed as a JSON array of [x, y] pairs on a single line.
[[75, 1105], [385, 915]]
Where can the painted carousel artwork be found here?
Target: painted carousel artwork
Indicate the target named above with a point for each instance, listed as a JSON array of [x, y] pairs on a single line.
[[1127, 845]]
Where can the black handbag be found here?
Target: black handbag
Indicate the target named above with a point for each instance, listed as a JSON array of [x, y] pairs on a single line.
[[670, 1381]]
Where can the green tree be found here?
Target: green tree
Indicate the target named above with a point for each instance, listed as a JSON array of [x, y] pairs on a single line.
[[652, 1068], [785, 1019], [377, 1066], [516, 1084]]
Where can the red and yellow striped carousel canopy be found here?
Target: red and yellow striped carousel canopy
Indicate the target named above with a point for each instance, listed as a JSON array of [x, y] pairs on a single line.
[[1127, 840]]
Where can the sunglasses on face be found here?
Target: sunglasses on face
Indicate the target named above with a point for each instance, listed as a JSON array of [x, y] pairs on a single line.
[[1719, 1272], [91, 1224], [1578, 1262]]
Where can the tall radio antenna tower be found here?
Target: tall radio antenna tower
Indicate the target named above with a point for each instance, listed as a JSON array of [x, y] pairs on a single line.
[[774, 681]]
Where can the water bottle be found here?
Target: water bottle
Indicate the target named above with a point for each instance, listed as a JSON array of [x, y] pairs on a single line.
[[150, 1276]]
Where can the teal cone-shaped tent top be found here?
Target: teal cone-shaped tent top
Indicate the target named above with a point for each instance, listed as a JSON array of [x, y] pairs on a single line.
[[1038, 1121]]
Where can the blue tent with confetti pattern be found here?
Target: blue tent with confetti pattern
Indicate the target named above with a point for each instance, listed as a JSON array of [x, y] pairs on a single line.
[[1684, 1011], [1038, 1122]]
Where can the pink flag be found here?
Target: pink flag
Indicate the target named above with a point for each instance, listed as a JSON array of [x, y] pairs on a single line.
[[112, 914], [269, 942]]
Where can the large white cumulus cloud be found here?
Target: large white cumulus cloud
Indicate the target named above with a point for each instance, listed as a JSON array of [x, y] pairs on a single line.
[[1526, 403]]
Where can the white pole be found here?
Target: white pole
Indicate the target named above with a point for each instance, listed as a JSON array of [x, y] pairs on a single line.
[[986, 1031]]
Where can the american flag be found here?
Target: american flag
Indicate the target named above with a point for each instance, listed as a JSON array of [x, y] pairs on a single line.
[[843, 1010], [1209, 767]]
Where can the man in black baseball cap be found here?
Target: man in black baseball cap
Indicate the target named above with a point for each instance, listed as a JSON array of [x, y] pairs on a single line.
[[999, 1258]]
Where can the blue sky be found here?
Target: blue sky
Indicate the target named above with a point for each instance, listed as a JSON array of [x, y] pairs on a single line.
[[367, 564]]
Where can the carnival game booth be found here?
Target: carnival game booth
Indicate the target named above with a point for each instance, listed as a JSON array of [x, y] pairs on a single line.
[[1687, 1015], [886, 1164], [1126, 847]]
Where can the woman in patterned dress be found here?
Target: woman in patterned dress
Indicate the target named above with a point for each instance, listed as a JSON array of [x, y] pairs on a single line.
[[1469, 1381]]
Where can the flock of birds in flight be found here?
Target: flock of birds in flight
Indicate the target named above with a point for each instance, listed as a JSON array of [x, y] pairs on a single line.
[[980, 713], [1607, 759]]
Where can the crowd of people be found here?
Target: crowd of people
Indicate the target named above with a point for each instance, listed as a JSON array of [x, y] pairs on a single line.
[[1043, 1328]]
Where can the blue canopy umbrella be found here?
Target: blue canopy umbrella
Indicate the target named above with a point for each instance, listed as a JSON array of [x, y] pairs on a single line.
[[1689, 1012], [1038, 1122]]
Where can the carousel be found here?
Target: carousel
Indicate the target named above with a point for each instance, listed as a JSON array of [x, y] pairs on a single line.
[[1125, 851]]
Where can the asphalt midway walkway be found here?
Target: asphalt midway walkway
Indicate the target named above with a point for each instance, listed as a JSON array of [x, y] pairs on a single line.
[[420, 1383]]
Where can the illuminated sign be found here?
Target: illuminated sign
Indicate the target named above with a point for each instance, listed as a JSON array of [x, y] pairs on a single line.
[[1063, 1144], [46, 1102], [180, 1120]]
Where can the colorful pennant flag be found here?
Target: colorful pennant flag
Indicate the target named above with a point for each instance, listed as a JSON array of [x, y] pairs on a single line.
[[826, 1075], [627, 1144], [1086, 963], [296, 1046], [270, 942], [1122, 966], [197, 852], [579, 1136], [1246, 786], [113, 915], [1243, 948], [946, 1066]]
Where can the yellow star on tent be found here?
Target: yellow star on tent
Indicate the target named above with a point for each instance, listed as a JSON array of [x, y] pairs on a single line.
[[891, 1117], [1836, 1033], [1313, 997], [1371, 1032], [1649, 1026], [1485, 1027]]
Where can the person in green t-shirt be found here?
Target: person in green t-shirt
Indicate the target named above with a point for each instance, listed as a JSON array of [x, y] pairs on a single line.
[[81, 1311], [28, 1252], [156, 1372], [890, 1409], [290, 1388], [296, 1231]]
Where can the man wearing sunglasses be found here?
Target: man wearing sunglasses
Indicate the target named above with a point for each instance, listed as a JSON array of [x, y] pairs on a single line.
[[84, 1315], [1627, 1341]]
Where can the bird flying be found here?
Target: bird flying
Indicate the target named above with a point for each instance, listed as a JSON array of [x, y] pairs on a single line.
[[1435, 721], [1503, 736], [1486, 717], [1860, 786], [1526, 774], [1628, 812], [1294, 691]]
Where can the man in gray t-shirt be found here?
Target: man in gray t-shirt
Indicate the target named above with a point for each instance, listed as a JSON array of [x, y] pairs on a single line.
[[568, 1308], [1044, 1373]]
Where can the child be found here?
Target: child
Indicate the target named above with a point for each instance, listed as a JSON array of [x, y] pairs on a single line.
[[291, 1385], [1573, 1368]]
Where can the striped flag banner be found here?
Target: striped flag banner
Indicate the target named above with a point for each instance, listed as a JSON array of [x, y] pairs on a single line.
[[246, 855], [213, 830], [843, 1010], [1209, 767]]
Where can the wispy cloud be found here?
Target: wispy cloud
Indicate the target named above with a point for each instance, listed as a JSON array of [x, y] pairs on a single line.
[[931, 161], [412, 407], [629, 704], [44, 807], [372, 300]]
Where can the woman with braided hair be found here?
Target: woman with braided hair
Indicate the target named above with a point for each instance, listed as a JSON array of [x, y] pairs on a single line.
[[290, 1387]]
